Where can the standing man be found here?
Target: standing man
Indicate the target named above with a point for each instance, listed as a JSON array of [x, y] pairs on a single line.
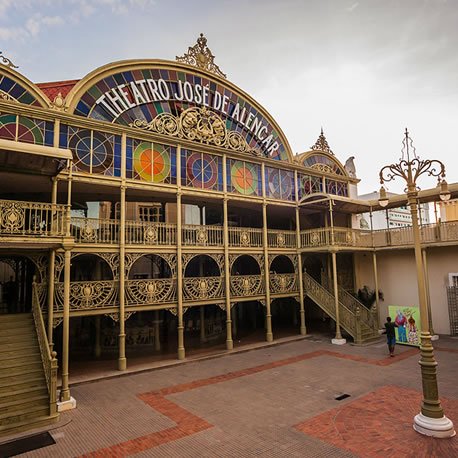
[[390, 335]]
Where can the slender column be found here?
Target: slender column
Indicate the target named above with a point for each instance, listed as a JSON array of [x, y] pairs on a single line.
[[203, 339], [431, 406], [157, 336], [65, 391], [227, 279], [122, 361], [98, 348], [181, 350], [377, 297], [336, 298], [428, 296], [303, 329], [331, 220], [51, 267], [269, 335]]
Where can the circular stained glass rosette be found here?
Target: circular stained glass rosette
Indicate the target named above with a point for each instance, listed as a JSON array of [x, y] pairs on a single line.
[[102, 151], [201, 171], [244, 178], [27, 131], [280, 184], [152, 162]]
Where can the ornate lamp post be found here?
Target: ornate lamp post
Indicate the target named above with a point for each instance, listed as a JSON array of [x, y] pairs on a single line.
[[431, 421]]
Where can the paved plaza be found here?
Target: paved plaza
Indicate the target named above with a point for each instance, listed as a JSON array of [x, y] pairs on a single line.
[[272, 401]]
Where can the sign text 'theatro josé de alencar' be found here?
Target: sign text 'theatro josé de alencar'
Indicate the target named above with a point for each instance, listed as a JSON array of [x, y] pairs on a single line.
[[126, 96]]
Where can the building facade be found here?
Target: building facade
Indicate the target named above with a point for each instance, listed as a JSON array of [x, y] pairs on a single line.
[[155, 206]]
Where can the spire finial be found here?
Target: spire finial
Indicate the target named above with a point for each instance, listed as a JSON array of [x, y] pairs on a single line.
[[201, 57], [321, 144]]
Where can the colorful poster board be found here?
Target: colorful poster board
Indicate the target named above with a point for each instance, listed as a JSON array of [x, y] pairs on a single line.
[[409, 325]]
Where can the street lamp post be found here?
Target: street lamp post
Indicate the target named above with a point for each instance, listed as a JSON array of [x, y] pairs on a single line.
[[431, 421]]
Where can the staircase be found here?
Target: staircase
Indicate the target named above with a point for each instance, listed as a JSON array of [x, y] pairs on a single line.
[[355, 318], [24, 396]]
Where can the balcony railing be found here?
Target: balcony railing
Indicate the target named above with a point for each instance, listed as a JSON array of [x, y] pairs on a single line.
[[94, 230], [402, 236], [156, 290], [194, 235], [145, 233], [283, 283], [281, 239], [247, 285], [245, 237], [203, 288], [31, 219]]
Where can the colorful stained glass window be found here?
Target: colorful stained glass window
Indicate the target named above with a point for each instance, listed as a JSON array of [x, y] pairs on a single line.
[[244, 178], [152, 162], [93, 151], [309, 184], [12, 89], [280, 184], [339, 188], [201, 170], [322, 163], [28, 130]]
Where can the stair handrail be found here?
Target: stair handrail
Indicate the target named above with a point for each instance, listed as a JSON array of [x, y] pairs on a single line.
[[352, 303], [48, 357], [346, 315]]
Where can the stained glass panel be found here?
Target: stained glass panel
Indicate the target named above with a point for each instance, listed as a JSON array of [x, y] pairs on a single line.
[[244, 178], [280, 184], [201, 170]]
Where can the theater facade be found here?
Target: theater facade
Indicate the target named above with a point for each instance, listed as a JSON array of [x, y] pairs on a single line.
[[155, 206]]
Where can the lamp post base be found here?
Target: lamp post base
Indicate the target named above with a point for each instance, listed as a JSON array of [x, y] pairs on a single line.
[[338, 341], [434, 427]]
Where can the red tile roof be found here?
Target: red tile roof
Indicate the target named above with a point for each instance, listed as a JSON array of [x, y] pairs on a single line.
[[53, 88]]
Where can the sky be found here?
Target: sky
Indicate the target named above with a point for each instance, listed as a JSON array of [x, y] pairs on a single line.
[[361, 70]]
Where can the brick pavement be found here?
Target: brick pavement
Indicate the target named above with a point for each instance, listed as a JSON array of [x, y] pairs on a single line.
[[241, 405]]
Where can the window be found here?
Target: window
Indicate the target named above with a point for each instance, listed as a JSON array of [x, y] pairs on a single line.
[[149, 213]]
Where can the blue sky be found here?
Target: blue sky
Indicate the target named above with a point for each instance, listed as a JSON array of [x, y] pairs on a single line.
[[364, 70]]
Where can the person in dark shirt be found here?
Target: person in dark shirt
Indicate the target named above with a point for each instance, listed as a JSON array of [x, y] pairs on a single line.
[[390, 335]]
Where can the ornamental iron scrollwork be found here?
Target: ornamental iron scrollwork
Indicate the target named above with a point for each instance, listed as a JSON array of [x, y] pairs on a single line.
[[197, 124], [140, 292], [150, 234], [5, 96], [222, 305], [281, 239], [283, 283], [115, 316], [322, 144], [56, 322], [202, 288], [246, 285], [201, 57], [6, 61], [245, 238], [88, 295], [325, 168], [12, 217], [174, 310]]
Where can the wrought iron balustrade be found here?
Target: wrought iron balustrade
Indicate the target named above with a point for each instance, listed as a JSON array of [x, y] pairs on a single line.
[[148, 291], [32, 219], [283, 283], [48, 358], [202, 288], [281, 239], [245, 237], [195, 235], [247, 285], [146, 233], [314, 238], [94, 230], [86, 295]]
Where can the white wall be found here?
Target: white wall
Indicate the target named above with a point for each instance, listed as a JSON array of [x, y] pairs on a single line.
[[398, 282]]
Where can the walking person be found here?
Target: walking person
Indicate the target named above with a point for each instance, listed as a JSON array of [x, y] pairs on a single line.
[[390, 335]]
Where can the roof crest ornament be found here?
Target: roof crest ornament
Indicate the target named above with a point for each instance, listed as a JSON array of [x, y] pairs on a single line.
[[321, 144], [4, 60], [201, 57], [197, 124]]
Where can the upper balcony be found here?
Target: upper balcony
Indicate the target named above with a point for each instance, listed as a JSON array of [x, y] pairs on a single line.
[[430, 235], [31, 222]]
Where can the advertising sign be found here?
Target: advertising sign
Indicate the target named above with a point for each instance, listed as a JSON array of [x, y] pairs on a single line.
[[408, 322]]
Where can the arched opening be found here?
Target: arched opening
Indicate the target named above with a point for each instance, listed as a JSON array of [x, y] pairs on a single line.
[[16, 278], [245, 265], [89, 267], [282, 265], [202, 266], [285, 317], [150, 266]]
